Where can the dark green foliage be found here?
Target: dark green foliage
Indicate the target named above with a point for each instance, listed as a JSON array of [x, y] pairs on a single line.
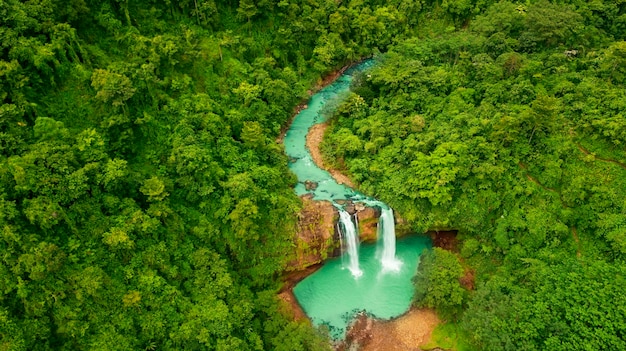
[[437, 283], [144, 203], [569, 305], [510, 129]]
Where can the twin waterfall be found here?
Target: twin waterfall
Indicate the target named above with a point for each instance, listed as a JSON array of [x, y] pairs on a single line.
[[371, 278], [349, 236], [326, 188]]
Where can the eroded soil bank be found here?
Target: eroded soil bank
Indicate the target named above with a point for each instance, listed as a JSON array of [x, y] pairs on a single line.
[[405, 333], [313, 140]]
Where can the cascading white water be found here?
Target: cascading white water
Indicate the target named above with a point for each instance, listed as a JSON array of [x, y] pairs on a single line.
[[343, 260], [387, 229], [352, 242]]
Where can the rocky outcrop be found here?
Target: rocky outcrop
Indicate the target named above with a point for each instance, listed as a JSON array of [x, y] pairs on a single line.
[[314, 238], [317, 239], [310, 185], [402, 226], [359, 333], [368, 222]]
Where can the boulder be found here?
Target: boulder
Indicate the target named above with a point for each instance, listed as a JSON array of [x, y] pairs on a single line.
[[350, 207], [368, 223], [310, 185], [359, 332]]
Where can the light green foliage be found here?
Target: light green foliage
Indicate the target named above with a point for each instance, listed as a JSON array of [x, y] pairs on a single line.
[[154, 188], [246, 10], [112, 87], [449, 336]]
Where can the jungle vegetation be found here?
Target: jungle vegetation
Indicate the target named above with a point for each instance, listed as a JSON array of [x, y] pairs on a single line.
[[145, 205], [144, 202], [505, 121]]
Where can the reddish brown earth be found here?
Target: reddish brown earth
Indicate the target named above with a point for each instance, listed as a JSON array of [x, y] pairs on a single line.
[[292, 306], [313, 140], [445, 239], [468, 279], [405, 333]]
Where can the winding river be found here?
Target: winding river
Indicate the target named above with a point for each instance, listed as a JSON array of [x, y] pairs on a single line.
[[333, 295], [301, 163]]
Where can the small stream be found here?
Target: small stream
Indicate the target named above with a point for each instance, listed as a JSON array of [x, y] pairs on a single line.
[[374, 282]]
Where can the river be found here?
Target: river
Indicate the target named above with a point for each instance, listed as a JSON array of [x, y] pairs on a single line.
[[377, 278]]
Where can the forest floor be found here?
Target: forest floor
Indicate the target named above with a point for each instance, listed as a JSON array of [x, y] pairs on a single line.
[[587, 152], [313, 140], [445, 239]]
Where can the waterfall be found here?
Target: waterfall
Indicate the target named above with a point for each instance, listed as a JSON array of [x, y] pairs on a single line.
[[387, 229], [351, 240], [343, 260]]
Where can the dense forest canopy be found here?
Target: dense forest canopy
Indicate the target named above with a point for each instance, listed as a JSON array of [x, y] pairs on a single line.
[[144, 203], [507, 123]]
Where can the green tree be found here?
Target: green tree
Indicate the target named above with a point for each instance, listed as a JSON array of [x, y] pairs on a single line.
[[568, 305], [112, 87], [437, 283]]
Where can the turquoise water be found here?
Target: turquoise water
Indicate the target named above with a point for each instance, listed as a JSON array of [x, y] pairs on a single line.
[[332, 296], [295, 141]]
